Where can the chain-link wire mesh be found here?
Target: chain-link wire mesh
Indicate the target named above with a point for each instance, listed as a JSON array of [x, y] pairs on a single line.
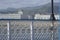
[[21, 30], [3, 31]]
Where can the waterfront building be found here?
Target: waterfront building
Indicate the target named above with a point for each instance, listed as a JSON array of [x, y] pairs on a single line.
[[14, 15], [38, 16]]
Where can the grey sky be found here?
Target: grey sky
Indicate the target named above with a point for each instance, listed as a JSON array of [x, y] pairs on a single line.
[[22, 3]]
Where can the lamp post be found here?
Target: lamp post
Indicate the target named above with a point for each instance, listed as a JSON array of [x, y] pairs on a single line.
[[52, 25], [52, 18]]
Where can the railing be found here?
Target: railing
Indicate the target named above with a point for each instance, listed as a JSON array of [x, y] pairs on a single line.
[[28, 30]]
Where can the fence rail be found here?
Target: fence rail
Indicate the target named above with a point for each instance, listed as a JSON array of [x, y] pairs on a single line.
[[28, 30]]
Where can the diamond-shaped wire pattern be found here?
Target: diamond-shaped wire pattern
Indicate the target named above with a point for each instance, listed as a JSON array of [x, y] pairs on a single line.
[[44, 32], [3, 31], [21, 30]]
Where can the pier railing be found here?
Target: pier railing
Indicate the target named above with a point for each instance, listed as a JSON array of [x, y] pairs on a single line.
[[28, 29]]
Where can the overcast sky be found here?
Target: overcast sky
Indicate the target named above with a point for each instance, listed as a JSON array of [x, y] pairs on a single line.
[[22, 3]]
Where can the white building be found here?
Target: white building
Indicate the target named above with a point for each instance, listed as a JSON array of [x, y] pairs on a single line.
[[12, 15], [38, 16]]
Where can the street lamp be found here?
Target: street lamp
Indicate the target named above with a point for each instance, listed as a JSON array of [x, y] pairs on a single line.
[[52, 18]]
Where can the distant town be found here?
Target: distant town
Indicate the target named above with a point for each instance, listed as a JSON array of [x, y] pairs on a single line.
[[20, 15]]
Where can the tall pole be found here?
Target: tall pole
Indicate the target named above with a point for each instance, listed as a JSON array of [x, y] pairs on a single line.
[[52, 11], [52, 7], [52, 19]]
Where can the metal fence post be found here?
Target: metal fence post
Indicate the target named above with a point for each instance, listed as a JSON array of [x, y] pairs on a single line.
[[31, 27], [8, 25]]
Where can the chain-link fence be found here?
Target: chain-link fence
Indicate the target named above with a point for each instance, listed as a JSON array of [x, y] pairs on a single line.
[[3, 30], [21, 30]]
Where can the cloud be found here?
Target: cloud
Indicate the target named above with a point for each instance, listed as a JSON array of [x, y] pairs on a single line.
[[21, 3], [56, 1]]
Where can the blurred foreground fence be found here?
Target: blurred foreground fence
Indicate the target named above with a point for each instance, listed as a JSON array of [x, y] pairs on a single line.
[[28, 30]]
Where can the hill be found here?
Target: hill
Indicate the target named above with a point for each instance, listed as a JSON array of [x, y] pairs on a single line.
[[42, 9]]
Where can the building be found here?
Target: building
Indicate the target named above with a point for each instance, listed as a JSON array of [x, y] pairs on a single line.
[[38, 16], [24, 16], [14, 15]]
